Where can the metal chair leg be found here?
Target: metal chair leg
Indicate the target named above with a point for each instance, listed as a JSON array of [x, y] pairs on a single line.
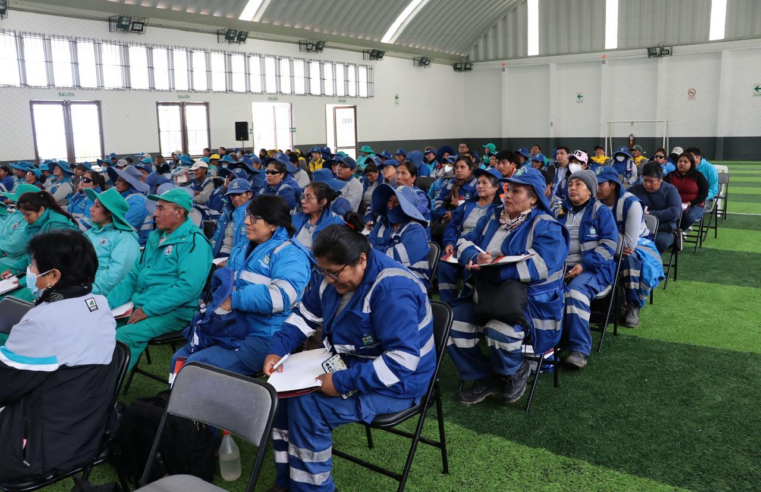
[[369, 433], [556, 365], [534, 382], [442, 436]]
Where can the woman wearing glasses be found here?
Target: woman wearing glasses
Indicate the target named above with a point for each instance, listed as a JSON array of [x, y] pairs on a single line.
[[275, 174], [388, 349], [662, 158], [253, 295], [315, 213], [79, 204]]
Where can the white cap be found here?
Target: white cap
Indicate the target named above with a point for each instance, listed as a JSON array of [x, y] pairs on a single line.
[[678, 150], [199, 165], [122, 163], [579, 155]]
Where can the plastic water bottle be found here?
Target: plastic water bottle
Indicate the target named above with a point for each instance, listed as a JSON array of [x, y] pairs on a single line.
[[229, 458]]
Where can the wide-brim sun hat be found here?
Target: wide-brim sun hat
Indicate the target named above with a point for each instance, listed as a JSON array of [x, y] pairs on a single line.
[[114, 203], [406, 197]]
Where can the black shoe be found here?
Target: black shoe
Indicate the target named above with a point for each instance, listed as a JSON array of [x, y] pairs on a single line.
[[624, 313], [481, 389], [577, 360], [631, 320], [515, 385], [277, 488]]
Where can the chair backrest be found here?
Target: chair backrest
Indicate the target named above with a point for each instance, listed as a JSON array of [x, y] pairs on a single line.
[[651, 221], [443, 317], [208, 228], [434, 252], [721, 169], [723, 178], [424, 183], [206, 292]]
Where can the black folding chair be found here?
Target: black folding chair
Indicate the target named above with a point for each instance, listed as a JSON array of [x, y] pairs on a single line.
[[174, 339], [209, 227], [676, 247], [442, 324], [536, 362], [434, 253], [652, 223], [424, 183], [105, 449], [607, 303], [241, 405]]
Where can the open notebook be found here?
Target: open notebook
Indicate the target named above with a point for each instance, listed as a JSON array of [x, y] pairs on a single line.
[[123, 311], [502, 260], [9, 284], [300, 373]]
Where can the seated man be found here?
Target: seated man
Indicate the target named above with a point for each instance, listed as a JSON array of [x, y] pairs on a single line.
[[167, 280], [661, 200], [641, 267], [590, 266]]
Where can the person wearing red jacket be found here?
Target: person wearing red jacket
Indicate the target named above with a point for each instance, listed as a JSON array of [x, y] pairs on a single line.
[[692, 187]]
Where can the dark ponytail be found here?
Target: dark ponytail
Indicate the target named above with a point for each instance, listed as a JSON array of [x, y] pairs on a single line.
[[97, 179], [33, 202], [323, 192], [343, 244], [274, 210]]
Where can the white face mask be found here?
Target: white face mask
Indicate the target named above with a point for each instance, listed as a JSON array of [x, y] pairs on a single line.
[[574, 167], [620, 158], [447, 169]]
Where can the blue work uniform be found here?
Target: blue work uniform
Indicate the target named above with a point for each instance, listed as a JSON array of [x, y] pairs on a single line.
[[306, 233], [408, 245], [138, 216], [284, 191]]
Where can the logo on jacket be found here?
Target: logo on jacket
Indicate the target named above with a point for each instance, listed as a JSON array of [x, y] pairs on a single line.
[[91, 304], [103, 241], [519, 172], [168, 250], [266, 260], [368, 340], [592, 232]]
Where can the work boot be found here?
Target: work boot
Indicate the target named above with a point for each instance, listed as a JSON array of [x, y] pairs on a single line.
[[515, 385], [631, 319], [481, 389], [624, 313], [577, 360], [277, 488]]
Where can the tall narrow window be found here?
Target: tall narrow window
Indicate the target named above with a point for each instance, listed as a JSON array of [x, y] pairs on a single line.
[[299, 77], [718, 19], [63, 70], [85, 131], [611, 24], [197, 127], [49, 131], [180, 65], [362, 81], [113, 66], [272, 122], [170, 128], [34, 61], [340, 79], [138, 67], [88, 70], [533, 27], [218, 72], [200, 74], [161, 69], [315, 83], [238, 70], [67, 130], [270, 75], [255, 73], [327, 78], [285, 76], [9, 69], [351, 79], [183, 127]]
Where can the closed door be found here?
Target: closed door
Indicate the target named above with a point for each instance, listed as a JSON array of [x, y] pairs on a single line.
[[345, 125]]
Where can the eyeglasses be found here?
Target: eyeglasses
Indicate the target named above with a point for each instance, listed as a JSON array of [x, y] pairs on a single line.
[[86, 180], [658, 156], [271, 171], [254, 218], [306, 198], [332, 275]]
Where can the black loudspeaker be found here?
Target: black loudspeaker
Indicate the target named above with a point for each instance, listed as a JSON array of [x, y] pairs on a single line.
[[241, 130]]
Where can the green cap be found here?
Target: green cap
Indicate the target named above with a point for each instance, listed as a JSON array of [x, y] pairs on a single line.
[[115, 203], [178, 196], [20, 190]]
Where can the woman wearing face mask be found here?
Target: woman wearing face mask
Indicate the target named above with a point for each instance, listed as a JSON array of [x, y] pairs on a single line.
[[315, 213], [56, 366], [80, 203], [462, 188], [400, 231], [692, 187], [624, 165], [275, 174], [464, 220], [378, 317], [253, 295], [61, 186], [42, 214]]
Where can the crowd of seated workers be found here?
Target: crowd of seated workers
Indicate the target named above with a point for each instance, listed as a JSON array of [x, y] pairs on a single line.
[[323, 245]]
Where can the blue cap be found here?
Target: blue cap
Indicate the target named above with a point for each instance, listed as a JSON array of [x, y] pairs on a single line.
[[316, 149], [103, 163], [146, 160], [494, 172], [154, 180], [524, 152], [385, 154], [417, 158], [145, 167], [186, 160], [407, 200], [348, 162], [326, 176], [206, 160], [112, 155], [623, 150], [534, 178], [227, 159], [400, 152], [442, 150], [250, 160], [538, 157], [607, 173], [238, 186], [44, 167], [431, 151]]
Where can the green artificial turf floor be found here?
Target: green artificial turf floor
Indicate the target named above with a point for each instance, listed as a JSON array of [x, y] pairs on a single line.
[[670, 406]]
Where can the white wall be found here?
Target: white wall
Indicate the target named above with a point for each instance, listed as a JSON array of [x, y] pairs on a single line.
[[431, 100]]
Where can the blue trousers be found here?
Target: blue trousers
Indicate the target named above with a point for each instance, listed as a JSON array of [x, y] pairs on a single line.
[[635, 290], [246, 360], [449, 275], [690, 216], [504, 342], [302, 437], [578, 297]]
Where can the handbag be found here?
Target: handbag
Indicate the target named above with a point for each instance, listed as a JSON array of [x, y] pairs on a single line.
[[503, 302]]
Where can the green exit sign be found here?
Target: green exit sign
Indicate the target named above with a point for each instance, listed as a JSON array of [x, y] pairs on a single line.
[[183, 96], [65, 94], [342, 100], [272, 98], [292, 129]]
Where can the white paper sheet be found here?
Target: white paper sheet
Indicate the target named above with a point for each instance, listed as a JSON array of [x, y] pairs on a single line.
[[300, 371], [123, 311], [9, 284]]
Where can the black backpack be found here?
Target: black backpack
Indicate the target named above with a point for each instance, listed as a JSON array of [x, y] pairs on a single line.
[[186, 447]]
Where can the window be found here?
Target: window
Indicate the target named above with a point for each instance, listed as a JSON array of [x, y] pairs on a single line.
[[718, 19], [138, 67], [180, 62], [161, 69], [183, 126], [270, 75], [611, 24], [34, 61], [218, 72], [533, 27], [328, 81], [315, 84], [299, 77], [340, 79], [238, 69], [63, 69], [362, 81], [272, 123], [88, 70], [67, 130], [285, 76], [351, 72], [9, 70], [255, 73], [113, 66], [200, 74]]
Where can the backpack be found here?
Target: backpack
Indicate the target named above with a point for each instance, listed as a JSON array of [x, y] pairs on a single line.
[[186, 447]]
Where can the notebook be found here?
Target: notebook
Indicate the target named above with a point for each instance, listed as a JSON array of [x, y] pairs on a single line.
[[502, 260], [300, 373]]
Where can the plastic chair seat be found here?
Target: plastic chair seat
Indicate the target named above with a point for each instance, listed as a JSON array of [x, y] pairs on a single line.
[[180, 483]]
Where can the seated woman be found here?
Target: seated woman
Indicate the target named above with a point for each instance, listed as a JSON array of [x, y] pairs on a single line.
[[61, 186], [58, 377], [114, 239], [372, 179], [275, 175], [128, 183], [315, 213], [387, 346], [662, 158], [464, 219], [641, 266], [263, 280], [231, 227], [692, 187], [590, 265], [400, 231], [406, 175], [462, 188], [13, 228], [340, 205], [80, 203], [522, 226], [35, 177], [42, 214]]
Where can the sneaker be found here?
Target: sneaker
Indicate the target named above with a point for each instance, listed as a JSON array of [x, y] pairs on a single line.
[[631, 320], [277, 488], [515, 385], [577, 360], [481, 389]]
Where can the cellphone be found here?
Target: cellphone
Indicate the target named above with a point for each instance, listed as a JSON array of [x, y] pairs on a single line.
[[335, 364]]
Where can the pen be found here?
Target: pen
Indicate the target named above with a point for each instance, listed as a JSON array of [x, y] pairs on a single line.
[[280, 362]]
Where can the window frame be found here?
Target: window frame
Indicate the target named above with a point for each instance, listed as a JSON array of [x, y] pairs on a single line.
[[183, 122], [66, 104]]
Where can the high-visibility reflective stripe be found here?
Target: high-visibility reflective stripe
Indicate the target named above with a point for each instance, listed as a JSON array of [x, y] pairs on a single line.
[[404, 258], [384, 373], [281, 457], [575, 294], [308, 314], [588, 245], [506, 346], [541, 266], [323, 286], [578, 312], [254, 278], [523, 273], [279, 435], [443, 286], [301, 324], [463, 342], [631, 273], [427, 347], [390, 272], [312, 479], [309, 456], [404, 359], [428, 317], [504, 329], [463, 327], [277, 299], [345, 349], [288, 289], [546, 324], [422, 265]]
